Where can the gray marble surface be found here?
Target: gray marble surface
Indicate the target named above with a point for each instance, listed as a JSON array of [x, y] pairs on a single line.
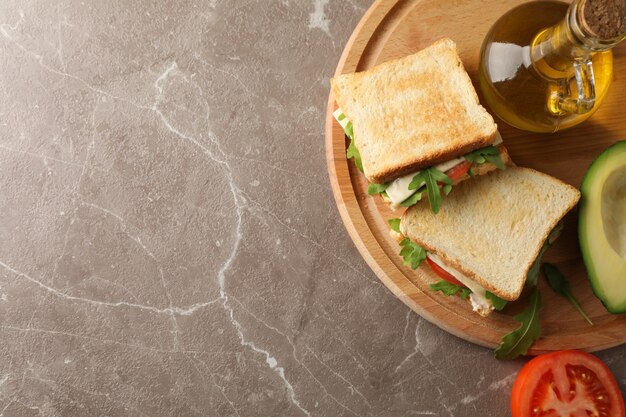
[[169, 242]]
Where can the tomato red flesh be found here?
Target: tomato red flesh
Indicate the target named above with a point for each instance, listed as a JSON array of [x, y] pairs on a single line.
[[458, 171], [566, 383], [443, 274]]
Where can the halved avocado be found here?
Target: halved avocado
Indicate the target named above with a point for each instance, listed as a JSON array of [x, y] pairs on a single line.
[[602, 226]]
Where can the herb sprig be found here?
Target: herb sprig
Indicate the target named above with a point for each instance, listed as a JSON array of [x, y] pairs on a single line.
[[488, 154], [520, 340], [560, 285], [431, 178]]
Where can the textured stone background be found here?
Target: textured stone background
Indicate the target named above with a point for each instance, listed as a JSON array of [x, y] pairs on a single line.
[[169, 242]]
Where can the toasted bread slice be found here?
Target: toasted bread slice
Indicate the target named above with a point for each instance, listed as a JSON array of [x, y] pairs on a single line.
[[492, 228], [413, 112]]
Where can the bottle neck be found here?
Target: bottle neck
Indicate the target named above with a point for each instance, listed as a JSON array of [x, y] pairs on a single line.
[[555, 49], [583, 25]]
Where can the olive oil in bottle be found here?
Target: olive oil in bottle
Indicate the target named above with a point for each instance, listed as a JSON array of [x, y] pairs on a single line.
[[542, 70]]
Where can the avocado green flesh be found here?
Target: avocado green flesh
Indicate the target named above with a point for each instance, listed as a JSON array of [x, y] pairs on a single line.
[[602, 226]]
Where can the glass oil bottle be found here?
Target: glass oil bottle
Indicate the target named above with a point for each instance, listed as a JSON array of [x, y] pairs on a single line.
[[542, 69]]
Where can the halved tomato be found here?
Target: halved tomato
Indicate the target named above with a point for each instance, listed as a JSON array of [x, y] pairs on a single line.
[[443, 273], [458, 171], [568, 383]]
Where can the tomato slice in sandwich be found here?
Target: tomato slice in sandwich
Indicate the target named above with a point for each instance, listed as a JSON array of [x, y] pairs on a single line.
[[443, 274], [458, 171], [566, 383]]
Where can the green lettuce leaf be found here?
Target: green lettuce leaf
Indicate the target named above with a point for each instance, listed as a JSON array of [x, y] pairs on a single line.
[[520, 340], [412, 254], [374, 189], [448, 289], [352, 151], [394, 224]]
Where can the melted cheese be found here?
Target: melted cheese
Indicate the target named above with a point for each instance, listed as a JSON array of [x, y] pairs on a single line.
[[398, 190]]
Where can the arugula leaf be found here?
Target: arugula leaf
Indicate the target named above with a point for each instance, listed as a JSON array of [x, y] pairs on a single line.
[[440, 176], [395, 225], [418, 181], [465, 293], [498, 303], [448, 289], [496, 160], [411, 201], [352, 151], [488, 154], [432, 188], [560, 285], [374, 189], [412, 254], [520, 340], [431, 177]]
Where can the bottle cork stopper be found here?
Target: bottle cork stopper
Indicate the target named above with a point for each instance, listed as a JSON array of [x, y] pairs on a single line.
[[604, 19]]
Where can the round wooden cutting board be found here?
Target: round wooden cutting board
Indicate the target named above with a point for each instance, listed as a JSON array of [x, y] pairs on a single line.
[[395, 28]]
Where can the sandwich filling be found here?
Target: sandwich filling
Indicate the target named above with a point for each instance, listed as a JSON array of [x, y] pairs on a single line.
[[408, 189], [478, 297]]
